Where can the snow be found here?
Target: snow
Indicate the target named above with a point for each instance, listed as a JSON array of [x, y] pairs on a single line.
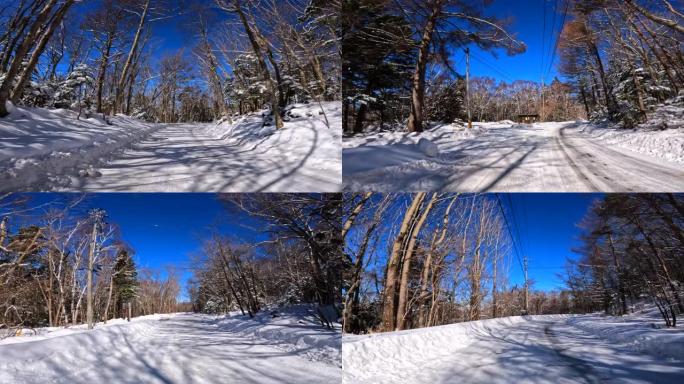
[[51, 150], [530, 349], [428, 148], [178, 348], [662, 136], [36, 143], [510, 157], [640, 331]]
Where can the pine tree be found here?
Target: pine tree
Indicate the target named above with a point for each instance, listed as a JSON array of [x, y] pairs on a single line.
[[125, 279]]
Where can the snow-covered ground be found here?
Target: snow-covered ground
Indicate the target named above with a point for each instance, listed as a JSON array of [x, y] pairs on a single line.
[[553, 349], [505, 156], [179, 348], [51, 150]]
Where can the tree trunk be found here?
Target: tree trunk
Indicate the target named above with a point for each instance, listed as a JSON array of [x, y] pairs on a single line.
[[20, 54], [18, 91], [402, 307], [392, 273], [415, 120], [124, 73], [103, 70], [266, 75]]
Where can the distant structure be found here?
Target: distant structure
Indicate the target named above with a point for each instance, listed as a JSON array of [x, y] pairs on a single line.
[[528, 119]]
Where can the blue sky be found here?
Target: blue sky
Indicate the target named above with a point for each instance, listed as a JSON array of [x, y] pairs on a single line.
[[173, 33], [547, 229], [528, 24], [544, 226], [164, 228]]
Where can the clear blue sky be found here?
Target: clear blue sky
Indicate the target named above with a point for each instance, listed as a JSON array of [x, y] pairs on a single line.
[[164, 228], [528, 24], [547, 232]]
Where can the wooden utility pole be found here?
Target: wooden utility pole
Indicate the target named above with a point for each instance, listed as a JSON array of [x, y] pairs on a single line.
[[527, 286], [541, 100], [470, 120], [95, 215]]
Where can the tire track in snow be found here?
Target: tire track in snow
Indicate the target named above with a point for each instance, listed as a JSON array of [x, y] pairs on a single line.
[[578, 365]]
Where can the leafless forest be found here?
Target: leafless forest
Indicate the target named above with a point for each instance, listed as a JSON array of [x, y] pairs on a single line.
[[243, 55]]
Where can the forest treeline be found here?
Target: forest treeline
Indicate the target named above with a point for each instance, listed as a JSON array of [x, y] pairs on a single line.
[[64, 266], [632, 250], [61, 265], [427, 259], [403, 63], [245, 55], [299, 260], [624, 57]]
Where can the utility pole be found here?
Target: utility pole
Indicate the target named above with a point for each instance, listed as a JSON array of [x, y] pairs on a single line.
[[467, 53], [541, 99], [96, 216], [526, 286]]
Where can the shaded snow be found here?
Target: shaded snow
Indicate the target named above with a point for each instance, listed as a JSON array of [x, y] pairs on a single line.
[[509, 157], [533, 349], [37, 144], [178, 348], [245, 156]]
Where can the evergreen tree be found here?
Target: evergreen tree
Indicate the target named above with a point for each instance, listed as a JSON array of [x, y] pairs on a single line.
[[125, 279]]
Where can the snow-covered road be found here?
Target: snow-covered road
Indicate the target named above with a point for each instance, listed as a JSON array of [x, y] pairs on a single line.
[[51, 150], [544, 157], [538, 349], [182, 348], [186, 157]]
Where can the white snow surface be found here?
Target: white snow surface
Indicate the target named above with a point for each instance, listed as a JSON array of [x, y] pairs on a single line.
[[510, 157], [50, 150], [533, 349], [178, 348]]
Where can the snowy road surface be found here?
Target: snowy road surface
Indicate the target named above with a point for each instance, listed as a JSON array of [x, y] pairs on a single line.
[[50, 150], [546, 157], [183, 348], [539, 350], [185, 158]]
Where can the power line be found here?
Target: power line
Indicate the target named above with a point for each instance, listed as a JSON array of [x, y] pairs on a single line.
[[515, 222], [491, 66], [543, 51], [555, 47], [516, 250]]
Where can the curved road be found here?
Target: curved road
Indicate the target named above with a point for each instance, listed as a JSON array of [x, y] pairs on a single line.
[[184, 348], [533, 350], [546, 157]]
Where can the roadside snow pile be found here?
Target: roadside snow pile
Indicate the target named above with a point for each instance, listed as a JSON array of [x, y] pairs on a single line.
[[293, 329], [372, 151], [662, 136], [37, 143], [366, 358], [641, 331], [311, 135], [27, 335], [428, 148]]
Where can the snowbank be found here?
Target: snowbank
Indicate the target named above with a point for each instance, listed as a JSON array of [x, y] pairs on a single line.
[[26, 335], [294, 329], [411, 348], [639, 331], [44, 149], [372, 151], [38, 144], [662, 136], [311, 137]]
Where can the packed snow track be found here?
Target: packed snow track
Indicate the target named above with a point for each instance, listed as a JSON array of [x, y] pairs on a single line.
[[543, 157], [534, 350], [52, 150], [182, 157], [181, 348]]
